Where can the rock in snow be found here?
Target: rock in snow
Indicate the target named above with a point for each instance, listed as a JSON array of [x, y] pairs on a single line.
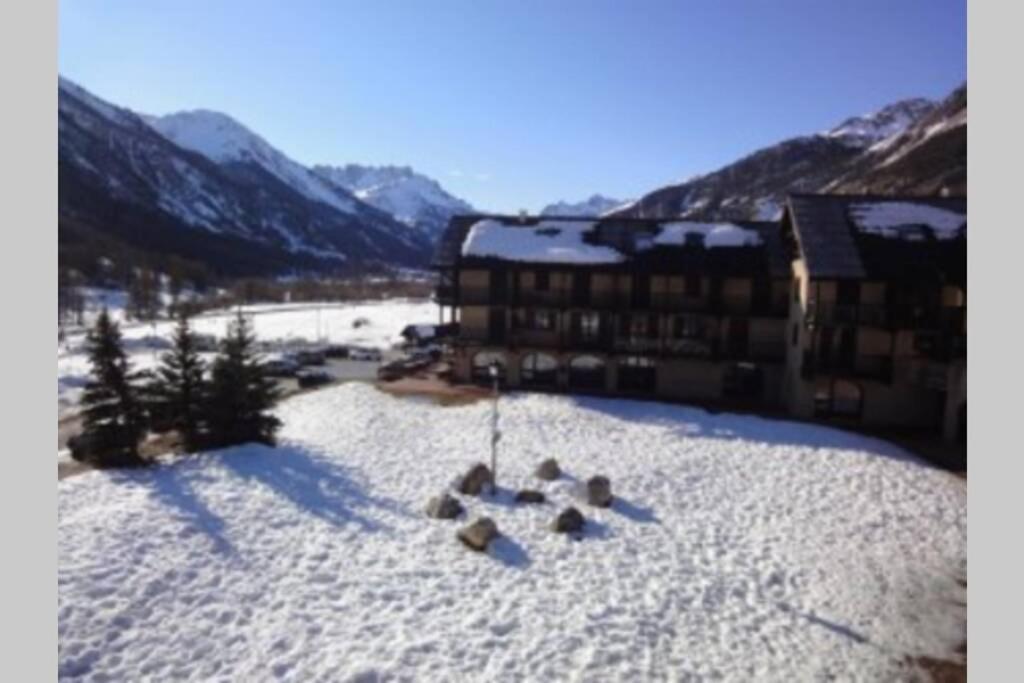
[[475, 481], [599, 491], [479, 534], [549, 470], [444, 507], [314, 559], [569, 521]]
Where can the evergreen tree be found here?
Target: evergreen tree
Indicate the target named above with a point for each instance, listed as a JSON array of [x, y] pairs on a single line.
[[241, 393], [179, 389], [112, 417]]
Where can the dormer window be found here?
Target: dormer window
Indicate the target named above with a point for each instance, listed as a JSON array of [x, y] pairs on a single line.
[[694, 239]]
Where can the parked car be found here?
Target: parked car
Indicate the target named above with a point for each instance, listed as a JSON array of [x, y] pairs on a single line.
[[312, 378], [309, 357], [402, 368], [355, 353], [206, 343], [336, 351], [281, 367]]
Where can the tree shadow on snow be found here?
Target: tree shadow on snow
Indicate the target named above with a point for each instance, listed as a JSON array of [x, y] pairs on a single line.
[[310, 483], [172, 486], [690, 421]]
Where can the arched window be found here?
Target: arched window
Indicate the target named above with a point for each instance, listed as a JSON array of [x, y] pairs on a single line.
[[847, 398], [587, 373], [539, 370], [482, 363], [637, 374], [838, 398]]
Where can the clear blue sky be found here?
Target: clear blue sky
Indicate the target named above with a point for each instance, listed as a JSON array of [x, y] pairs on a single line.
[[516, 104]]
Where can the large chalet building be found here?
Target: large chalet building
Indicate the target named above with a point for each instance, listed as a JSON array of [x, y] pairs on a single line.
[[849, 309]]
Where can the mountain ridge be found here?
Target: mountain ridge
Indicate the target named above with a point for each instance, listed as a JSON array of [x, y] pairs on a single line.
[[846, 158]]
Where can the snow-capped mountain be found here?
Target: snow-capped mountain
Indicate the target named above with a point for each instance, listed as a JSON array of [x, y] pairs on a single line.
[[201, 186], [412, 198], [928, 157], [864, 131], [223, 140], [849, 157], [596, 205]]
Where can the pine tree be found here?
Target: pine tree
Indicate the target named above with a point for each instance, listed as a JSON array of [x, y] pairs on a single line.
[[179, 390], [112, 417], [241, 393]]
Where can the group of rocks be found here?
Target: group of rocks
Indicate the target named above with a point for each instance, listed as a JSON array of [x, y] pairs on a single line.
[[479, 479]]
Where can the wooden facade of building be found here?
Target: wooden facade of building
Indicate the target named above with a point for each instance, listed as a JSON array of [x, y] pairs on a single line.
[[751, 314]]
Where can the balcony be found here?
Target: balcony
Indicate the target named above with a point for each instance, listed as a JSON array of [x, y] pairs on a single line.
[[445, 295], [677, 302], [873, 367], [767, 349], [907, 317], [554, 298]]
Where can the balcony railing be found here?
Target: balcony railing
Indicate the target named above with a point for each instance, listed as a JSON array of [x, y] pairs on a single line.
[[876, 367], [945, 318]]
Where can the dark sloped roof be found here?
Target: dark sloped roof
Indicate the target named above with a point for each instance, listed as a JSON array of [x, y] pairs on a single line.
[[449, 247], [833, 246], [768, 258]]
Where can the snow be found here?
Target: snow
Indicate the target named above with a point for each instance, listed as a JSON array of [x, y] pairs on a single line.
[[410, 197], [596, 205], [221, 139], [555, 241], [275, 323], [548, 241], [899, 219], [714, 234], [868, 130], [738, 549]]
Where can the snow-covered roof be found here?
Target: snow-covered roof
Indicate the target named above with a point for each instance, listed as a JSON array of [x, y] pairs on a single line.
[[903, 219], [549, 241], [564, 241], [714, 234]]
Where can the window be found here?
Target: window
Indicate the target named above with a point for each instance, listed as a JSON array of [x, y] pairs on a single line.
[[542, 281], [535, 319], [692, 284], [543, 320], [637, 374], [482, 363], [539, 369], [838, 398], [590, 325], [587, 372], [925, 342], [637, 326], [848, 292], [743, 380], [686, 327], [847, 398]]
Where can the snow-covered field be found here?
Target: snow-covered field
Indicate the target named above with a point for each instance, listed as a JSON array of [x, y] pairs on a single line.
[[739, 549], [326, 322]]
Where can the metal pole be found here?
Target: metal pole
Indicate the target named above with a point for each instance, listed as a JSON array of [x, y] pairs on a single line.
[[495, 434]]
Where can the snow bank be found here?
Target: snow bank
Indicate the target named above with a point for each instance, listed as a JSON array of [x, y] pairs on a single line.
[[738, 549], [548, 241], [900, 219]]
